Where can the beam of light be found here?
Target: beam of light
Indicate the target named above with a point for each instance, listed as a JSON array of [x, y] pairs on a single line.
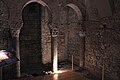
[[55, 77], [3, 56], [55, 60], [61, 71], [55, 64]]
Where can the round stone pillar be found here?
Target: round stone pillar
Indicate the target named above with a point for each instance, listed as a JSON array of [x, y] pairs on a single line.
[[54, 50]]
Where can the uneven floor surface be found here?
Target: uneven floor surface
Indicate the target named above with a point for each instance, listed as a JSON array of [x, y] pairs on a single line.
[[68, 75]]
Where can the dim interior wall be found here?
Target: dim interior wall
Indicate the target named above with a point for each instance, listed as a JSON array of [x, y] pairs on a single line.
[[92, 10], [102, 44], [62, 54], [63, 35], [5, 36], [102, 48], [46, 37]]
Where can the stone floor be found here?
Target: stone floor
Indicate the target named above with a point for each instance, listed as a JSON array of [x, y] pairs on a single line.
[[61, 75], [65, 73]]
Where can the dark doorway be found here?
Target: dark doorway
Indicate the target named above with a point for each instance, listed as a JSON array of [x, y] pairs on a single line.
[[30, 38]]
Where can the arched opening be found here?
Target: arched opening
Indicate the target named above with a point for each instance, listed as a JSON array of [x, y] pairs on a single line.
[[73, 34], [76, 9], [34, 40], [74, 42], [30, 38]]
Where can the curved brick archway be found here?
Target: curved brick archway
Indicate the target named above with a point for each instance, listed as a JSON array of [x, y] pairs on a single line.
[[20, 25], [76, 9], [75, 21], [46, 21], [30, 37], [44, 5], [81, 7]]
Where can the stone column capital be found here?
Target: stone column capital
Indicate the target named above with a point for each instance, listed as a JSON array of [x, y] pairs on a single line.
[[55, 32]]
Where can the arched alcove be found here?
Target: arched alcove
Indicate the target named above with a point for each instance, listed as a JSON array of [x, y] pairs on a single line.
[[73, 39], [74, 43], [43, 4], [30, 37], [34, 32]]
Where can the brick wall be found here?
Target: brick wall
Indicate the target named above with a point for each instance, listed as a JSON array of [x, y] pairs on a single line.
[[102, 44]]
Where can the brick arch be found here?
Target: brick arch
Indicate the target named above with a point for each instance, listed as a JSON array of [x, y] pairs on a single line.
[[80, 5], [82, 16], [44, 5], [37, 49], [76, 9], [19, 22], [80, 10]]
